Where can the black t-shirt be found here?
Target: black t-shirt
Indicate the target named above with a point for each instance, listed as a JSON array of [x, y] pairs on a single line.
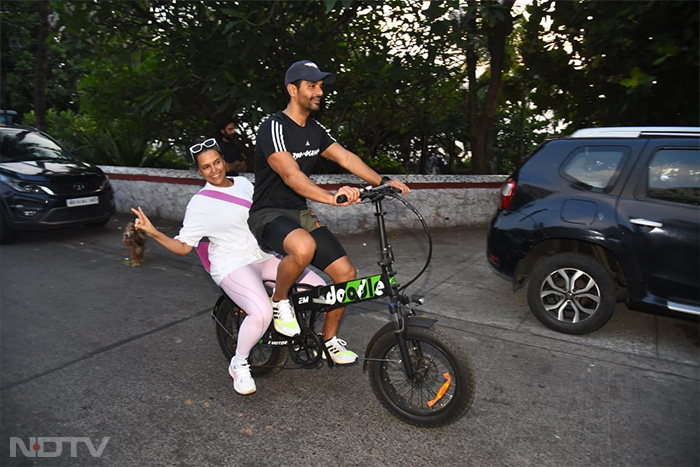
[[230, 151], [280, 133]]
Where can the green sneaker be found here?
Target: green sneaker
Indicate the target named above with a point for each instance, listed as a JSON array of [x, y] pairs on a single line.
[[339, 354], [284, 320]]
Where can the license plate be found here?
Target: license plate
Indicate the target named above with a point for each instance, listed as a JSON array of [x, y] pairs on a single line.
[[71, 203]]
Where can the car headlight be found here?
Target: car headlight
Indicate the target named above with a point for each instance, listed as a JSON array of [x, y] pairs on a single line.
[[24, 186]]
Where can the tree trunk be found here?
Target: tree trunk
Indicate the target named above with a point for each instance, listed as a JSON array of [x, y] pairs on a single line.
[[42, 64], [483, 118]]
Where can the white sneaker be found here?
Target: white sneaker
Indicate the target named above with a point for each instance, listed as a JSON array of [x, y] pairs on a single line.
[[243, 382], [339, 354], [284, 319]]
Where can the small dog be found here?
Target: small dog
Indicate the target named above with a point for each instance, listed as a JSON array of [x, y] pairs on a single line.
[[135, 241]]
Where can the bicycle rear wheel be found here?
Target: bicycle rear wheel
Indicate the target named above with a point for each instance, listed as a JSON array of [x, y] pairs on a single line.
[[264, 360], [442, 388]]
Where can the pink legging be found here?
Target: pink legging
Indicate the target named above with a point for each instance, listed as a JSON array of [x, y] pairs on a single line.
[[245, 287]]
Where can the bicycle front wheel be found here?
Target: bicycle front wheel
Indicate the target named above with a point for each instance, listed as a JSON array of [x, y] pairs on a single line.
[[442, 387], [264, 360]]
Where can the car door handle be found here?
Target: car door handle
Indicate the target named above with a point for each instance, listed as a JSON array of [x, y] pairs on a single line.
[[646, 223]]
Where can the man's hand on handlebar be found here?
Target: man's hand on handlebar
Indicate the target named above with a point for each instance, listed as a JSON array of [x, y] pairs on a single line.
[[346, 195], [369, 192], [399, 186]]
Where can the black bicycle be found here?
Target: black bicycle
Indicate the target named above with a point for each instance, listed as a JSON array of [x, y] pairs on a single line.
[[416, 370]]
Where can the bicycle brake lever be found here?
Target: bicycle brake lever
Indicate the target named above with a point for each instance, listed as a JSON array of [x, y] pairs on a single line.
[[418, 299]]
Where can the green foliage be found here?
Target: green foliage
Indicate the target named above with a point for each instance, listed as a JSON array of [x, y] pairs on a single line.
[[134, 83], [19, 21], [72, 130], [615, 63], [175, 67], [110, 145], [383, 163], [518, 131]]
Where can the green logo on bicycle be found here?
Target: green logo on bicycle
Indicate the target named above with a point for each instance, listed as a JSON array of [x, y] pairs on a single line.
[[358, 290]]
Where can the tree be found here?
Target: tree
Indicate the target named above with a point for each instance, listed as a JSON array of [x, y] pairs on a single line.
[[156, 73], [496, 22], [186, 63], [134, 83], [19, 44], [42, 64], [165, 61], [615, 63], [476, 34]]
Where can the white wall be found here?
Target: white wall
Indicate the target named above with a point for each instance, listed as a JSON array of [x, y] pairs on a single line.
[[443, 200]]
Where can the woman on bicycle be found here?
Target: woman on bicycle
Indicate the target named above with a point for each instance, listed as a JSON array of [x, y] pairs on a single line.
[[219, 211]]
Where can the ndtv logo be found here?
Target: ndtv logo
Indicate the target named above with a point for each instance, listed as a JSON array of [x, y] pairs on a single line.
[[37, 446]]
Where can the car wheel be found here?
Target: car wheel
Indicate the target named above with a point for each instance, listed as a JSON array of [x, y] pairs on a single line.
[[572, 293]]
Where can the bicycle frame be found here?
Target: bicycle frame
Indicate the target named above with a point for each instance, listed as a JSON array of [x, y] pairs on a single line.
[[329, 297], [321, 299]]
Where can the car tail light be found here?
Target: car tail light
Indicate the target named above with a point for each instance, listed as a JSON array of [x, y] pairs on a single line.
[[507, 191]]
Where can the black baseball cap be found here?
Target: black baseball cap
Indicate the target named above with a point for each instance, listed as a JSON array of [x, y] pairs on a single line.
[[308, 71]]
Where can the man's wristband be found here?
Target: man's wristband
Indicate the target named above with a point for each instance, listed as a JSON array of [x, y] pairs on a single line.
[[385, 179]]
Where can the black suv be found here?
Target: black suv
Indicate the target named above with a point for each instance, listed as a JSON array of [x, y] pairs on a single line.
[[43, 186], [605, 215]]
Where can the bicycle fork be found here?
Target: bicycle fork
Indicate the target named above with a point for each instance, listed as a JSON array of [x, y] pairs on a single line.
[[395, 306]]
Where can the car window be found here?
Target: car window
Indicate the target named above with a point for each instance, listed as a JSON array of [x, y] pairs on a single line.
[[596, 167], [29, 146], [674, 175]]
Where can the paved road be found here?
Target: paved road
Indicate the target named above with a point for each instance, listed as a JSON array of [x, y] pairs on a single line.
[[92, 348]]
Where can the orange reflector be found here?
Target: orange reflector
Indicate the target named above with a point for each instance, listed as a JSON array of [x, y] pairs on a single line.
[[443, 389]]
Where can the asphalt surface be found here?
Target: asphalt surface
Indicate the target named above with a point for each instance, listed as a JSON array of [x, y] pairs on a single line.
[[93, 348]]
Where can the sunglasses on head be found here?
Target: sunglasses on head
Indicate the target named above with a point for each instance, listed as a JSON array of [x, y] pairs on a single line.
[[199, 147]]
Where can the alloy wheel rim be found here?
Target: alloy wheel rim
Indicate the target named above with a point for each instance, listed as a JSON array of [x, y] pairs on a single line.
[[570, 295]]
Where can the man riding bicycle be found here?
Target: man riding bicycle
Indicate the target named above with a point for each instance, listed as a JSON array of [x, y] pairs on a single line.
[[287, 150]]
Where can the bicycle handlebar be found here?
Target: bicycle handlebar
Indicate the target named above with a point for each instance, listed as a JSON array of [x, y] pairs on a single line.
[[370, 192], [377, 193]]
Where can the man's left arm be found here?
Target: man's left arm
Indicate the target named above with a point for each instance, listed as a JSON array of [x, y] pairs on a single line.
[[356, 166]]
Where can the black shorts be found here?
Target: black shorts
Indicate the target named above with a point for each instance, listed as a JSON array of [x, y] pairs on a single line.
[[271, 227]]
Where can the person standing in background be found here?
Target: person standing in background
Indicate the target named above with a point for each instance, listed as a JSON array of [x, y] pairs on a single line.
[[226, 139]]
